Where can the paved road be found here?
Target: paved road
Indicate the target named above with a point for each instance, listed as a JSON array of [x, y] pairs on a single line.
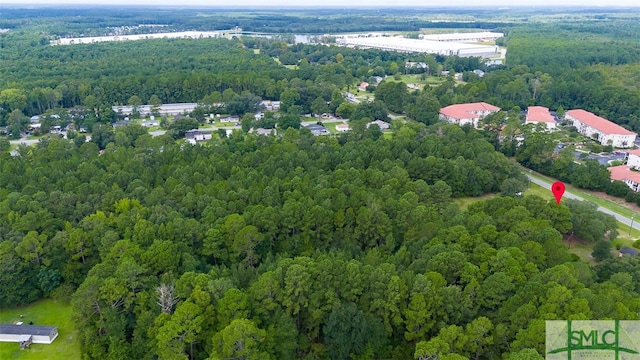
[[623, 219]]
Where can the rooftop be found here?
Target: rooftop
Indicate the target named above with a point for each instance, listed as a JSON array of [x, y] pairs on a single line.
[[629, 251], [624, 172], [598, 123], [467, 111], [26, 329], [539, 114]]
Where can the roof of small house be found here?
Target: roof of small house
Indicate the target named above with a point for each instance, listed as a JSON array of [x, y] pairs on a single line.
[[629, 251], [10, 329]]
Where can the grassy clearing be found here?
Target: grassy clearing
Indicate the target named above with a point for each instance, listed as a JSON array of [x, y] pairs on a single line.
[[331, 126], [464, 202], [45, 312], [627, 235], [535, 189], [583, 251]]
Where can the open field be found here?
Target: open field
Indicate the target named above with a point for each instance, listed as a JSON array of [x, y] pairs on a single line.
[[464, 202], [583, 251], [47, 313]]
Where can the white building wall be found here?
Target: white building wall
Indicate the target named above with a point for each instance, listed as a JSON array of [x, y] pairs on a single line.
[[460, 122], [550, 126], [633, 161], [36, 339], [620, 141]]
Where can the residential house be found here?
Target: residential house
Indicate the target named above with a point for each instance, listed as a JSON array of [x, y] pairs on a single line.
[[27, 334], [343, 127], [270, 105], [150, 123], [478, 72], [318, 129], [121, 123], [600, 129], [228, 119], [194, 136], [627, 175], [628, 251], [363, 86], [540, 115], [462, 114], [383, 125], [262, 131]]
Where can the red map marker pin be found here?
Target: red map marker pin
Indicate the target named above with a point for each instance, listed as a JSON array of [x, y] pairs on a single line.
[[558, 190]]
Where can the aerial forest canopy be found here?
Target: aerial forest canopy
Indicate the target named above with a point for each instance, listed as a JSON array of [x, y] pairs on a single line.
[[298, 246]]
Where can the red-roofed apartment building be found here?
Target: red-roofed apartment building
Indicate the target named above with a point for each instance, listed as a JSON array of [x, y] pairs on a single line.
[[628, 176], [600, 129], [540, 115], [462, 114]]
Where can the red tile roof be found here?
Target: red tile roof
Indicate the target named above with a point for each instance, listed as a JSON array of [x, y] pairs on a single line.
[[467, 111], [623, 172], [599, 123], [539, 114], [634, 152]]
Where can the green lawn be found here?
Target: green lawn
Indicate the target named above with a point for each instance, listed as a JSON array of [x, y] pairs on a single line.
[[464, 202], [584, 252], [331, 126], [535, 189], [47, 313]]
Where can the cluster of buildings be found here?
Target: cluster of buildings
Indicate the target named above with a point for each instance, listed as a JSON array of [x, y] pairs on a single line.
[[586, 123]]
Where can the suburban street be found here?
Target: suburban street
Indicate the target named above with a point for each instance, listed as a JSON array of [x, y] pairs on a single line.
[[625, 220]]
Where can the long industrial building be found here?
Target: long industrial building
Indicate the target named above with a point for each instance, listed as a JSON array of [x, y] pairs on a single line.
[[472, 36], [170, 35], [402, 44]]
